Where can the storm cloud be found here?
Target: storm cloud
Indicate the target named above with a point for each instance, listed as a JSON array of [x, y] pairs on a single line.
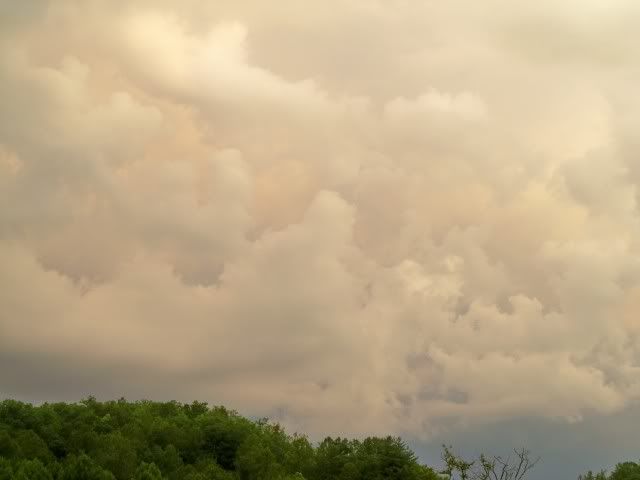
[[353, 217]]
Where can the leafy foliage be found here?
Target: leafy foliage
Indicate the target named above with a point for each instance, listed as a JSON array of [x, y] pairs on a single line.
[[120, 440], [623, 471]]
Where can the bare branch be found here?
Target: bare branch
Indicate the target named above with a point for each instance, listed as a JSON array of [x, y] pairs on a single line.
[[494, 468]]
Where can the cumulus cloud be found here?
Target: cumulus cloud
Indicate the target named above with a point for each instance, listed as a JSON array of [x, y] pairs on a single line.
[[347, 234]]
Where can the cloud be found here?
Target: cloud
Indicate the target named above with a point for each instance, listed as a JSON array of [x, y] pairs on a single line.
[[347, 234]]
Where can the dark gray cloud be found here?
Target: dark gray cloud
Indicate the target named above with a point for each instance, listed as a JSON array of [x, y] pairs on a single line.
[[565, 450]]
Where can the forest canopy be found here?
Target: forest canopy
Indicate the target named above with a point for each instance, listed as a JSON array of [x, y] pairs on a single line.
[[146, 440]]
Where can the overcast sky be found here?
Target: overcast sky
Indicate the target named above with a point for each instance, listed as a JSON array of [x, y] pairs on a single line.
[[355, 217]]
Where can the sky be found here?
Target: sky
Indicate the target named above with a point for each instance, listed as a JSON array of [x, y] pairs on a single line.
[[355, 217]]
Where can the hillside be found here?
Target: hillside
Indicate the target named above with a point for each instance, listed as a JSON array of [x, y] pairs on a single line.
[[151, 440]]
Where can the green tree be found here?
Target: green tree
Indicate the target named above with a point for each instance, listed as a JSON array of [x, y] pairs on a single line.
[[332, 455], [194, 476], [210, 470], [626, 471], [8, 446], [167, 459], [17, 415], [147, 471], [455, 463], [82, 437], [116, 453], [84, 468], [294, 476], [32, 446], [196, 409], [256, 461], [386, 458], [49, 427], [300, 456], [222, 434], [423, 472], [602, 475], [6, 471], [32, 470], [93, 440]]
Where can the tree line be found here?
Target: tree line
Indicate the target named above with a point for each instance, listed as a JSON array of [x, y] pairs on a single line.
[[146, 440]]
